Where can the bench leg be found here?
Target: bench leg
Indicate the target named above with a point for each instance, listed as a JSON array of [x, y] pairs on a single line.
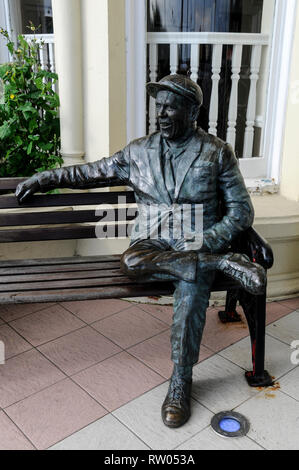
[[254, 307], [230, 315]]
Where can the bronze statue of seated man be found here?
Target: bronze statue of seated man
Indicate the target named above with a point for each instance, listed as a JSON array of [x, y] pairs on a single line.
[[178, 169]]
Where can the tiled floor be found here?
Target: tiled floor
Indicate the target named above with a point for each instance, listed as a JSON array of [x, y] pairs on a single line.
[[93, 375]]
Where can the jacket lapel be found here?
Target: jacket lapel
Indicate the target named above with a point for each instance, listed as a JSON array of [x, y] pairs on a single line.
[[185, 163], [154, 153]]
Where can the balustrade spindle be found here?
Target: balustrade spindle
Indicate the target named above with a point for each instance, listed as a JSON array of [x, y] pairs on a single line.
[[42, 58], [52, 60], [233, 105], [194, 62], [174, 58], [251, 109], [214, 104], [153, 69], [51, 57]]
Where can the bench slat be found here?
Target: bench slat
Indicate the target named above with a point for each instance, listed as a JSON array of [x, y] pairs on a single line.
[[46, 276], [59, 261], [98, 282], [91, 293], [59, 268], [59, 233], [10, 184], [63, 217], [71, 199], [67, 284]]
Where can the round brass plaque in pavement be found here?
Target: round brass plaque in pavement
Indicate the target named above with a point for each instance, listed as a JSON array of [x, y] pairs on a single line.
[[230, 424]]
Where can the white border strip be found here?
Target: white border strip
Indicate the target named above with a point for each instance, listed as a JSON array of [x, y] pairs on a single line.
[[209, 38], [281, 55]]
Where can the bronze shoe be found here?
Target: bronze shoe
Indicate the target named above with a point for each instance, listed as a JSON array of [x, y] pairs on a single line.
[[251, 276], [176, 407]]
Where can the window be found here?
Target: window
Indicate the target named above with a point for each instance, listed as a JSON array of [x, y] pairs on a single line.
[[40, 13], [239, 53], [22, 12], [18, 16], [230, 65], [233, 16]]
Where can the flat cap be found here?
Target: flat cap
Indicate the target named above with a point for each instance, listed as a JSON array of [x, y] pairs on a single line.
[[179, 84]]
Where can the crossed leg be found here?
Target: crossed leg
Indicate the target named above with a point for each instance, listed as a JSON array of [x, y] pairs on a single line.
[[155, 260]]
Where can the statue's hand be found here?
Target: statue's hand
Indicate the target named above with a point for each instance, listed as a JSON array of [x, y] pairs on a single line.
[[27, 188]]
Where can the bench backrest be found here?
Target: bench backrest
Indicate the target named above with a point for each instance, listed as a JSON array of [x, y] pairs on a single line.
[[67, 224]]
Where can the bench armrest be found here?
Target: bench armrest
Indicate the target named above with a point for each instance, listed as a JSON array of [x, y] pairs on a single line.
[[256, 247]]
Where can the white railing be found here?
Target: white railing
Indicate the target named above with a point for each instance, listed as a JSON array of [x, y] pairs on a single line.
[[46, 54], [217, 41]]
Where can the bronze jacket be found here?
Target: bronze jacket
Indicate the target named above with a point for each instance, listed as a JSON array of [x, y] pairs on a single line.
[[207, 174]]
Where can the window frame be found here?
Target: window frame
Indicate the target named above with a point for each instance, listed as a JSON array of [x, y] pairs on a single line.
[[280, 54]]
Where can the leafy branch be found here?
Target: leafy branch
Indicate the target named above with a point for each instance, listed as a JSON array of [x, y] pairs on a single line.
[[29, 111]]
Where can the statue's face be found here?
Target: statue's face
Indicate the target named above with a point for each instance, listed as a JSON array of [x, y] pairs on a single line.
[[174, 115]]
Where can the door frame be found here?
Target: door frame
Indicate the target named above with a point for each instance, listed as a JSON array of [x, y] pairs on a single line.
[[280, 52]]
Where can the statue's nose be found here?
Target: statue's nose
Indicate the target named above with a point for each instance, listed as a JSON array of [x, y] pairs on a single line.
[[162, 111]]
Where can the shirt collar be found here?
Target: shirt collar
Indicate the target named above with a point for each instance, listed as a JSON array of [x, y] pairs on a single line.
[[176, 150]]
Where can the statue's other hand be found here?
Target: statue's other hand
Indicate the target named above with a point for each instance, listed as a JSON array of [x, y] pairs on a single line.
[[27, 188]]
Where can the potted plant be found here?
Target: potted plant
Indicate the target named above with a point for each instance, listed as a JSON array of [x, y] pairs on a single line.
[[29, 119]]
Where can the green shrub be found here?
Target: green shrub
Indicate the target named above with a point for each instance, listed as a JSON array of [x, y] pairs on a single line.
[[29, 122]]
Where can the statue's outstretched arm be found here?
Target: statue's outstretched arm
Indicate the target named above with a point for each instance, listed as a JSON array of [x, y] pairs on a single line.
[[105, 172]]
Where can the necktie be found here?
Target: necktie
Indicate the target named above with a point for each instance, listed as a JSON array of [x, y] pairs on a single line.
[[168, 174]]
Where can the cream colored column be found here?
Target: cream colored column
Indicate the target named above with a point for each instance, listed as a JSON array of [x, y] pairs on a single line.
[[104, 72], [96, 78], [68, 56]]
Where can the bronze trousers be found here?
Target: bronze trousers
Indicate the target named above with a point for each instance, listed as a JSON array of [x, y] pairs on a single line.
[[157, 260]]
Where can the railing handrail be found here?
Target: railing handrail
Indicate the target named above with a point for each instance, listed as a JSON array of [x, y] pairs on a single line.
[[216, 40], [250, 39], [47, 38]]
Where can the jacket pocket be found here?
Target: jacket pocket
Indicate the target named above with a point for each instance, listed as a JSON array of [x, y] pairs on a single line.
[[203, 171]]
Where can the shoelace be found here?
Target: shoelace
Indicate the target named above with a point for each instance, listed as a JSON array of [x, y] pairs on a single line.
[[177, 390]]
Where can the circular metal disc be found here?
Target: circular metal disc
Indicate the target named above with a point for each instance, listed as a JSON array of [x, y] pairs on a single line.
[[236, 421]]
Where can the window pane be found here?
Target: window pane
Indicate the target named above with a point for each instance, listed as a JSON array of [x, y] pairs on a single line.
[[205, 16], [40, 13]]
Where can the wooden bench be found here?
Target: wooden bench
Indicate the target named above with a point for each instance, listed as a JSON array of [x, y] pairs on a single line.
[[99, 277]]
